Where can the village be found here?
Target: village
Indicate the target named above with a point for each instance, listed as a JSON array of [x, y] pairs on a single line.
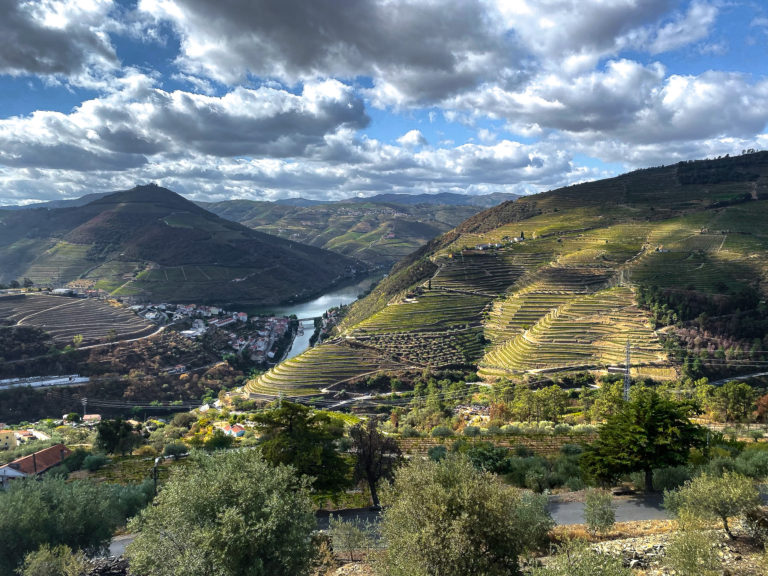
[[263, 340]]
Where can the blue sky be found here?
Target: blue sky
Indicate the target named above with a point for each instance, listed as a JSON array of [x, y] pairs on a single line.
[[327, 99]]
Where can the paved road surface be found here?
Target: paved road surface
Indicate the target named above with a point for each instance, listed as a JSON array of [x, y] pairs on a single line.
[[628, 509]]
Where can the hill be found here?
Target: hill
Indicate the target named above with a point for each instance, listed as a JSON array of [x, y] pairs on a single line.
[[380, 230], [152, 243], [671, 259]]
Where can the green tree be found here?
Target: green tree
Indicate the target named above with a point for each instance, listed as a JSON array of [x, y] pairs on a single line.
[[376, 455], [449, 519], [226, 514], [599, 513], [114, 436], [648, 432], [734, 400], [296, 435], [53, 561], [709, 497], [77, 339], [577, 558], [79, 514]]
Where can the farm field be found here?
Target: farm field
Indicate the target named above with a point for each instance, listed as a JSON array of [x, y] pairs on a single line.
[[550, 283], [64, 317]]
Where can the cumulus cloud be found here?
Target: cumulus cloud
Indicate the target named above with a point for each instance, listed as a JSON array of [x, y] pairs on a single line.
[[412, 139], [416, 51], [122, 129], [52, 37]]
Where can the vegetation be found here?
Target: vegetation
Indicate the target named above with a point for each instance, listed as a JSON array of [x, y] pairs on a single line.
[[376, 455], [599, 513], [53, 561], [294, 434], [577, 558], [78, 514], [709, 497], [229, 513], [648, 432], [447, 518]]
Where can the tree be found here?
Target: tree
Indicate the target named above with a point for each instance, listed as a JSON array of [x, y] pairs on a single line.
[[648, 432], [734, 400], [376, 455], [79, 514], [709, 497], [28, 283], [449, 519], [226, 514], [53, 561], [296, 435], [577, 558], [599, 513], [116, 436], [77, 339]]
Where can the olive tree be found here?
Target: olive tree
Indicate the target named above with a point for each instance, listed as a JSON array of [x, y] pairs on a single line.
[[447, 518], [227, 513], [709, 497]]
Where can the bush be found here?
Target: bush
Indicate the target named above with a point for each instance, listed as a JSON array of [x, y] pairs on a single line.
[[599, 512], [350, 536], [95, 461], [690, 552], [671, 478], [469, 431], [437, 453], [227, 513], [408, 431], [441, 432], [714, 498], [574, 483], [577, 558], [175, 450], [562, 429], [451, 519], [56, 561], [752, 463]]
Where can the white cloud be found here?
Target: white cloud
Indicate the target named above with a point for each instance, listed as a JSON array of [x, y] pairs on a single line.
[[412, 139]]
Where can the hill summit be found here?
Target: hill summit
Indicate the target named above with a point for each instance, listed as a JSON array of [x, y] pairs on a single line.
[[151, 242]]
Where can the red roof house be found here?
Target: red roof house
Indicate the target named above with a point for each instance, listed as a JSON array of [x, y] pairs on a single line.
[[41, 461]]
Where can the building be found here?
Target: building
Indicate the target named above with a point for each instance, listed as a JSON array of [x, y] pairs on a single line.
[[34, 464], [91, 418], [235, 430], [7, 440]]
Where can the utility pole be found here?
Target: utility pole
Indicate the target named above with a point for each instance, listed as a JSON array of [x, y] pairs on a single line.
[[84, 402], [627, 379]]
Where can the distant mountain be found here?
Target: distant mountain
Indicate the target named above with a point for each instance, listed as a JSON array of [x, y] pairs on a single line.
[[152, 243], [442, 198], [379, 230], [82, 201]]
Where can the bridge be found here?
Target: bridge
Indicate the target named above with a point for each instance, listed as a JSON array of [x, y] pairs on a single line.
[[312, 319]]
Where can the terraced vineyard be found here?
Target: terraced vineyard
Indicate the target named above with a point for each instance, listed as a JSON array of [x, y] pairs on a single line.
[[563, 297], [586, 332], [64, 317]]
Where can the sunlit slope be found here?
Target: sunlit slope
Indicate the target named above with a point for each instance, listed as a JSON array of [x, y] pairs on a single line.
[[549, 283]]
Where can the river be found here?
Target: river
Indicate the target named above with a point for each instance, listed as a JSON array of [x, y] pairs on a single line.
[[315, 308]]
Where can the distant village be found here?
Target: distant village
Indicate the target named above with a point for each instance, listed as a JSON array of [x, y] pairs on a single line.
[[261, 339]]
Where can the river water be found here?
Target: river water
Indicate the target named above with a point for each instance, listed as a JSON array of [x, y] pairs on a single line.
[[315, 308]]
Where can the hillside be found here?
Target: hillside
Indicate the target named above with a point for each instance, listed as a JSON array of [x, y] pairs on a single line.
[[380, 230], [152, 243], [671, 259]]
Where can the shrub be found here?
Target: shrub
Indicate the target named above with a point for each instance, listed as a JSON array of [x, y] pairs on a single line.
[[690, 552], [752, 463], [671, 477], [408, 431], [577, 558], [470, 431], [562, 429], [95, 461], [56, 561], [175, 449], [574, 483], [441, 432], [599, 512], [451, 519], [714, 498], [350, 536], [437, 453]]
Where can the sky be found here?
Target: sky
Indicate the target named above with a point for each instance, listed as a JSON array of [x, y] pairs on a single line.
[[329, 99]]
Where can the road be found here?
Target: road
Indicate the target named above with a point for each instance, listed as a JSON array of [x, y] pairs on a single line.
[[635, 508], [44, 381]]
